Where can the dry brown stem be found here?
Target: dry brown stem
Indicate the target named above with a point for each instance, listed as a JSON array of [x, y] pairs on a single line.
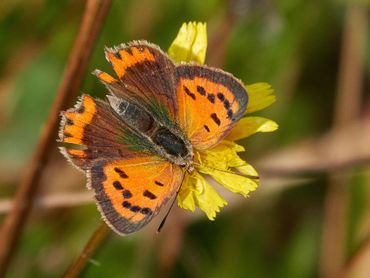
[[92, 20], [100, 234]]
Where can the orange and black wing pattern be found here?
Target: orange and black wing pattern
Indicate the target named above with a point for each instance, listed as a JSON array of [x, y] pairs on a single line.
[[146, 75], [131, 184], [210, 102], [131, 192], [131, 181]]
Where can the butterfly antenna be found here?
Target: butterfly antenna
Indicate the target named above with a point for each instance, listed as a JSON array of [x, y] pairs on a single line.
[[159, 229], [167, 213], [229, 172]]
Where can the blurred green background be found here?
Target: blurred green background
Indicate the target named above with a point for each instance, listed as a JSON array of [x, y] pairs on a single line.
[[295, 45]]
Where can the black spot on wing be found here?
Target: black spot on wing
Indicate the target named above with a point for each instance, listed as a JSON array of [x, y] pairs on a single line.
[[117, 185], [69, 122], [158, 183], [189, 93], [207, 128], [201, 90], [127, 194], [126, 204], [135, 208], [230, 114], [121, 173], [129, 51], [215, 119], [149, 195], [226, 104], [146, 211], [221, 96], [211, 98], [117, 55]]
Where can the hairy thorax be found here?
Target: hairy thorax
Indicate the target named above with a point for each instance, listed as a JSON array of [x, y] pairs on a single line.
[[167, 142]]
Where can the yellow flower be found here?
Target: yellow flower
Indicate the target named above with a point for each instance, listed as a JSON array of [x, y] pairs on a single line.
[[222, 162], [190, 43]]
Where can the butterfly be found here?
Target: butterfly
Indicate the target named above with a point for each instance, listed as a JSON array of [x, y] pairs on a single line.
[[136, 146]]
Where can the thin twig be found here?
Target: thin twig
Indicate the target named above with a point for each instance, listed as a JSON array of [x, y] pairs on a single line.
[[100, 234], [92, 20], [337, 150], [55, 200]]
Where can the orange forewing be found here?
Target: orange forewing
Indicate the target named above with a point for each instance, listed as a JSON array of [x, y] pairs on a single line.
[[105, 78], [210, 102], [125, 58], [130, 192]]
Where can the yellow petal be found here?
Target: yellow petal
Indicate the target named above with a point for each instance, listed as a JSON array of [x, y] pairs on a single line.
[[233, 182], [225, 154], [260, 96], [185, 198], [190, 43], [247, 169], [222, 157], [196, 191], [217, 162], [251, 125]]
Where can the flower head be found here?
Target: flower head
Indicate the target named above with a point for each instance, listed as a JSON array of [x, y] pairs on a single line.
[[222, 163]]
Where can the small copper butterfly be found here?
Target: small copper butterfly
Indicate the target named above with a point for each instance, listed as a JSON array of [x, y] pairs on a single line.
[[136, 147]]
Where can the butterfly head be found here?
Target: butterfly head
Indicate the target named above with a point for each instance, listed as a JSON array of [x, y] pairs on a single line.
[[189, 167]]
